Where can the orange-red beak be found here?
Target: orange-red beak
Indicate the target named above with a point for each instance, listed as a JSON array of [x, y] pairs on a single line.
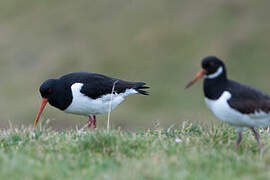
[[198, 76], [42, 106]]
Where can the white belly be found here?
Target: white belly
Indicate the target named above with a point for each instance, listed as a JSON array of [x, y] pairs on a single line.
[[85, 105], [224, 112]]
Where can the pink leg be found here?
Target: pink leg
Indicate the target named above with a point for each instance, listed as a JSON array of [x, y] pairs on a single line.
[[94, 121], [239, 139], [89, 122], [257, 137]]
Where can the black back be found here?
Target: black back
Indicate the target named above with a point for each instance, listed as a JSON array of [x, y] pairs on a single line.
[[245, 99], [59, 94], [97, 85]]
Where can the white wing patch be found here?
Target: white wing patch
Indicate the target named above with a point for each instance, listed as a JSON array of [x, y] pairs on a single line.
[[84, 105], [224, 112]]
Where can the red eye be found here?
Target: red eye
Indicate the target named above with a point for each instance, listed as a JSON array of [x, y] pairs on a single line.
[[49, 90], [212, 63]]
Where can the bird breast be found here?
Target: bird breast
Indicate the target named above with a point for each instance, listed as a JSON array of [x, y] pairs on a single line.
[[84, 105], [224, 112]]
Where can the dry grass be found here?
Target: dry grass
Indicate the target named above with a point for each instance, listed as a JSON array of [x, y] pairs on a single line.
[[189, 152]]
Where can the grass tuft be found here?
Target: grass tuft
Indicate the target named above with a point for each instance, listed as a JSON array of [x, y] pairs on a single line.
[[190, 152]]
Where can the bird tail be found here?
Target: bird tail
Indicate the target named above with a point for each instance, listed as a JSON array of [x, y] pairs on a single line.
[[139, 86]]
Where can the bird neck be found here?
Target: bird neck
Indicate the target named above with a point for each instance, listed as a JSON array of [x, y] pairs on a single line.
[[213, 88], [62, 98]]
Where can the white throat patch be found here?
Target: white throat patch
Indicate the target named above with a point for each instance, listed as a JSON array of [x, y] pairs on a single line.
[[216, 74]]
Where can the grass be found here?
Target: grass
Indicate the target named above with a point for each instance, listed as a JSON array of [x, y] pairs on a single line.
[[156, 41], [188, 152]]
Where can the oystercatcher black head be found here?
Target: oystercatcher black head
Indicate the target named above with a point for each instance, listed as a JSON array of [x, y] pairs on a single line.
[[87, 94], [212, 68], [47, 89], [237, 104]]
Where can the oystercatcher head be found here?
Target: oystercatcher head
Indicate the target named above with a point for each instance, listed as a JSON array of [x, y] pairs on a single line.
[[87, 94], [237, 104]]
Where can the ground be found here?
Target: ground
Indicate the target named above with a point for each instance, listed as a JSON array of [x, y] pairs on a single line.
[[187, 152], [156, 41]]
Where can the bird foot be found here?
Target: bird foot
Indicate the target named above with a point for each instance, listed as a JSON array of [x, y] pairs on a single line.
[[91, 121]]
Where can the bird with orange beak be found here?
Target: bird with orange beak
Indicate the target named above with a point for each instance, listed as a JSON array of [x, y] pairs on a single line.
[[237, 104], [87, 94]]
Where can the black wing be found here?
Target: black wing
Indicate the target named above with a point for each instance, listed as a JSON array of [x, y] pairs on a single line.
[[97, 85], [248, 100]]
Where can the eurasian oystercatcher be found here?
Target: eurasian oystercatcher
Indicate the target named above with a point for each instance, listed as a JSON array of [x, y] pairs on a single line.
[[237, 104], [87, 94]]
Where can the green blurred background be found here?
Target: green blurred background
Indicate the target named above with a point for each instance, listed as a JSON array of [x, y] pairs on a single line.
[[160, 42]]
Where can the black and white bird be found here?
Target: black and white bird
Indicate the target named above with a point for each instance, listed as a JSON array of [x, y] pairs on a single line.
[[237, 104], [87, 94]]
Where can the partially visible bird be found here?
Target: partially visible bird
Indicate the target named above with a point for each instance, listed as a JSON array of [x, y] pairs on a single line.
[[237, 104], [87, 94]]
